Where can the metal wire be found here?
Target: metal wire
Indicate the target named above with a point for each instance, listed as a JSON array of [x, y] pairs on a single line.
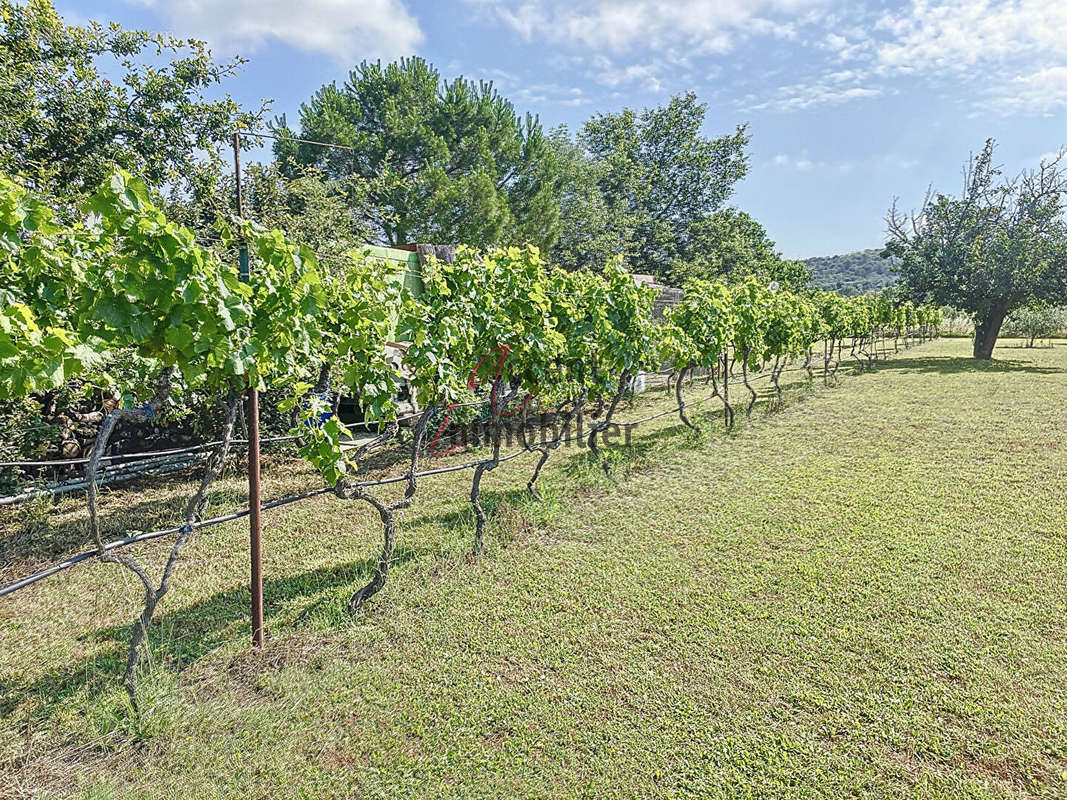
[[195, 448], [278, 138], [148, 536], [139, 454]]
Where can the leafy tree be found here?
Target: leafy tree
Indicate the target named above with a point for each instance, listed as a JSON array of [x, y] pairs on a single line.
[[308, 207], [591, 228], [1000, 245], [447, 161], [656, 174], [733, 245], [64, 125], [1036, 320]]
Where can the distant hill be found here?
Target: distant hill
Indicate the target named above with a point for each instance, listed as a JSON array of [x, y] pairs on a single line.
[[852, 273]]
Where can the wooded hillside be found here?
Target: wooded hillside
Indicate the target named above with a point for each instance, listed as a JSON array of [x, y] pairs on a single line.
[[852, 273]]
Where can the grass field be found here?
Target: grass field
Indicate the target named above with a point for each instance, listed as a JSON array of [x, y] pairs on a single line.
[[863, 594]]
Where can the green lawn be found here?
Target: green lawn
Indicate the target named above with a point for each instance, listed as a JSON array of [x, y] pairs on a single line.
[[861, 595]]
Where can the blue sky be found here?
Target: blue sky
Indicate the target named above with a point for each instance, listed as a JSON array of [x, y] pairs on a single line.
[[849, 104]]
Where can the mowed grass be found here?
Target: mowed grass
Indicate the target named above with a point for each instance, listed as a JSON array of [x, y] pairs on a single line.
[[860, 595]]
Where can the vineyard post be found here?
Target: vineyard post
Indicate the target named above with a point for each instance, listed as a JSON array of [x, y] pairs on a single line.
[[255, 499]]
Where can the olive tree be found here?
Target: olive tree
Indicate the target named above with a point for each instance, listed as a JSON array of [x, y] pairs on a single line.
[[1036, 321], [998, 246]]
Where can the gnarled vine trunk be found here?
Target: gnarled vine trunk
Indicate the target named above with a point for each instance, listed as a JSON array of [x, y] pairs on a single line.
[[836, 358], [604, 424], [497, 406], [389, 513], [546, 448], [724, 394], [678, 395], [480, 517], [193, 511], [744, 378]]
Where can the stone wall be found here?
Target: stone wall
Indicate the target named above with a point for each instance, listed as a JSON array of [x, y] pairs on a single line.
[[668, 295]]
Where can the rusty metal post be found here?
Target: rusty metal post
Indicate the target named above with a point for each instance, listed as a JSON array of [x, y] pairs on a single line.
[[255, 497]]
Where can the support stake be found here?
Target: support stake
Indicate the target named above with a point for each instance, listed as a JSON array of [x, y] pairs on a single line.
[[255, 497]]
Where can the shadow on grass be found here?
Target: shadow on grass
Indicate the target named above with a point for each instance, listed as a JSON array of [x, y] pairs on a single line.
[[954, 365], [30, 532], [575, 463], [180, 637], [34, 537]]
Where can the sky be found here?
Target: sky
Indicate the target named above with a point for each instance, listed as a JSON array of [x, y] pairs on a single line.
[[849, 104]]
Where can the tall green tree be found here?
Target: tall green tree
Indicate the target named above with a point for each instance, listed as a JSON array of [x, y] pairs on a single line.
[[592, 228], [309, 208], [731, 244], [656, 174], [447, 161], [1000, 245], [77, 100]]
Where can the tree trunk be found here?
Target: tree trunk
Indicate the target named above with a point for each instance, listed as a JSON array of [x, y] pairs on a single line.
[[986, 332]]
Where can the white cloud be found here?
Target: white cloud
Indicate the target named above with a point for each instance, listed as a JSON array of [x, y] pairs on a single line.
[[1001, 56], [895, 162], [1004, 56], [1050, 156], [889, 162], [607, 73], [956, 35], [1040, 92], [709, 26], [800, 96], [844, 48], [835, 42], [535, 93], [801, 163], [500, 76], [347, 30]]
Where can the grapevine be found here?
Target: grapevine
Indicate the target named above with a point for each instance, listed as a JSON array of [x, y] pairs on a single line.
[[500, 328]]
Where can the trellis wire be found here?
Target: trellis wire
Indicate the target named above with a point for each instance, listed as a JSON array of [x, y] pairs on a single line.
[[79, 484], [192, 448], [150, 535], [64, 462]]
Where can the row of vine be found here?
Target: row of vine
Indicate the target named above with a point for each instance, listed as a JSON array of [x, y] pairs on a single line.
[[500, 327]]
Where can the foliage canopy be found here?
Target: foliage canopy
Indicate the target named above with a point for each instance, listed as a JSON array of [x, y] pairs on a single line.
[[999, 245]]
